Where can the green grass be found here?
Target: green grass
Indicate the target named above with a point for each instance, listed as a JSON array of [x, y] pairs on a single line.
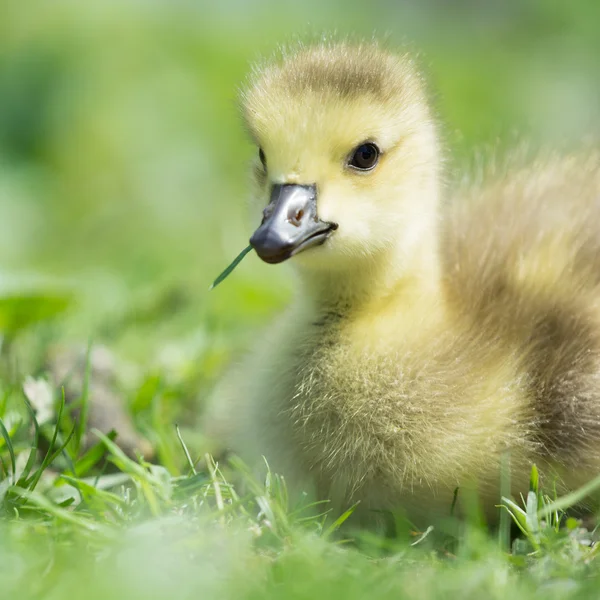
[[97, 524], [81, 519]]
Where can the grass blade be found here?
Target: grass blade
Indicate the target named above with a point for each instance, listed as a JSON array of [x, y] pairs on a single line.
[[9, 445], [186, 451], [93, 456], [339, 521], [48, 460], [121, 460], [41, 502], [532, 515], [236, 261], [83, 410], [518, 515], [571, 499], [505, 492], [34, 446]]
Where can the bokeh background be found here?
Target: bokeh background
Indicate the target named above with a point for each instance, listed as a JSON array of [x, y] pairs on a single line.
[[123, 163]]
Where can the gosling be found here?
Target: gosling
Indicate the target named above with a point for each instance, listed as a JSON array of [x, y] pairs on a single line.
[[429, 343]]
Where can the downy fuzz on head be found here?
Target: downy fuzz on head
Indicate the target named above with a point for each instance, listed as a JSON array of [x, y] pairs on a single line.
[[347, 166]]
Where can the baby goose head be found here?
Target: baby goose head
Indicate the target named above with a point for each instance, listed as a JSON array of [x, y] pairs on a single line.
[[347, 160]]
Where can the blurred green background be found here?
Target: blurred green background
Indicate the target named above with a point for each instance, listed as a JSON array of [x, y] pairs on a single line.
[[123, 162]]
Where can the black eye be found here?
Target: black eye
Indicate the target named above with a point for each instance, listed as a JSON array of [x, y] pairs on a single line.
[[364, 157], [263, 158]]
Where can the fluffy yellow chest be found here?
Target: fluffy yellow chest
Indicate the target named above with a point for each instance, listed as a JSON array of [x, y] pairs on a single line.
[[390, 406]]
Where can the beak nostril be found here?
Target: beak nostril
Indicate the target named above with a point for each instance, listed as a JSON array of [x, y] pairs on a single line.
[[295, 217]]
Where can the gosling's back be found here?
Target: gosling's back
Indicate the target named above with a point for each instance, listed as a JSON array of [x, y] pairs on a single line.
[[521, 258]]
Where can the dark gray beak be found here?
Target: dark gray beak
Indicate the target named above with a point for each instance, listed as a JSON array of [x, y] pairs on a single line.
[[290, 223]]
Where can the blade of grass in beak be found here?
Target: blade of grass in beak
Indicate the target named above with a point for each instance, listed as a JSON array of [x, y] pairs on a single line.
[[236, 261]]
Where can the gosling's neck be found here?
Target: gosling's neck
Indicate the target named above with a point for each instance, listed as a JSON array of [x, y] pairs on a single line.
[[406, 279]]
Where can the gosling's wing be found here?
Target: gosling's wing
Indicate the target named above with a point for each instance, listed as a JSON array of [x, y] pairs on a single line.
[[532, 234], [522, 259]]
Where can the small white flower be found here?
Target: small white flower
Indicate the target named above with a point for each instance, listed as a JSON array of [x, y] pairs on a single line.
[[41, 396]]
